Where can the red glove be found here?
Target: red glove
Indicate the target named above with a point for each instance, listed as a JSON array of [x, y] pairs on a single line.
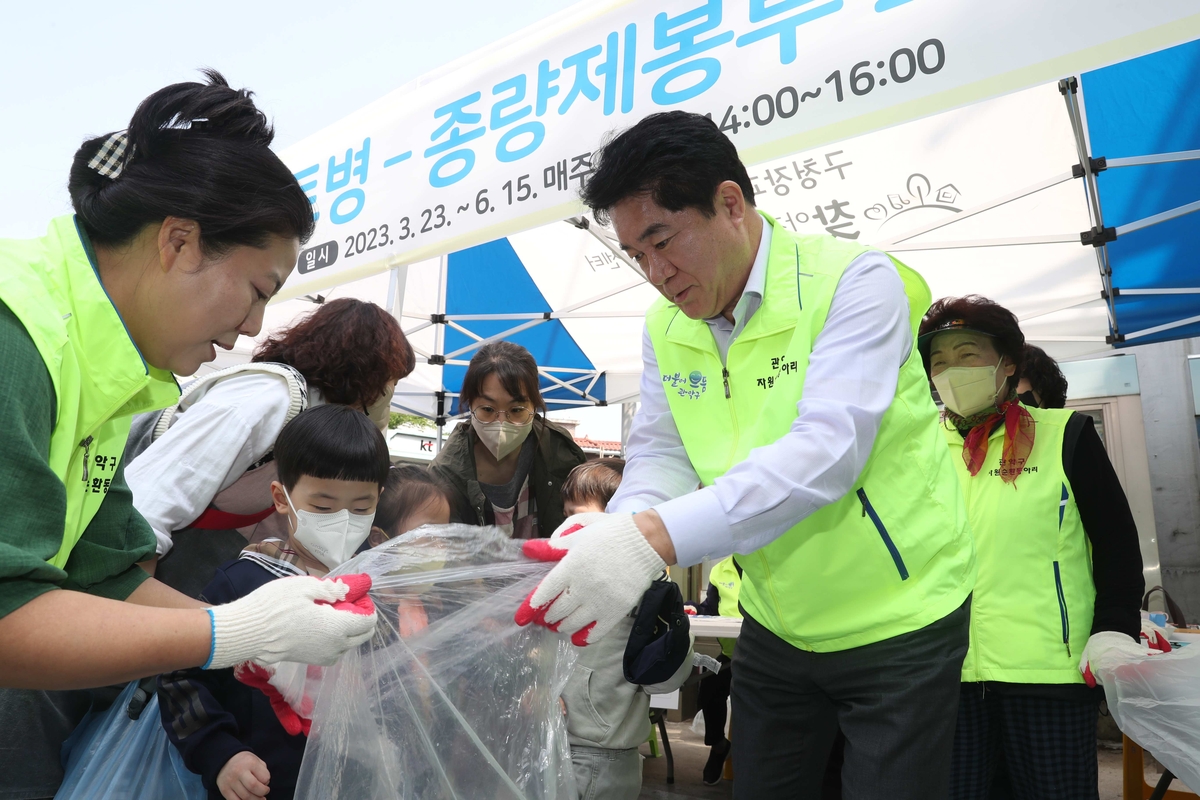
[[259, 677], [602, 572], [255, 675], [1155, 637], [357, 601]]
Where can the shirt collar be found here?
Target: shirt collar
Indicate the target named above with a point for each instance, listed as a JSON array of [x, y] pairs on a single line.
[[756, 283]]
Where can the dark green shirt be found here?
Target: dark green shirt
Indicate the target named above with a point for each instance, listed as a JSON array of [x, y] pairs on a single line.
[[33, 499]]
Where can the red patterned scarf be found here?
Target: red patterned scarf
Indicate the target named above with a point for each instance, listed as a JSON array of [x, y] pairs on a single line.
[[1018, 438]]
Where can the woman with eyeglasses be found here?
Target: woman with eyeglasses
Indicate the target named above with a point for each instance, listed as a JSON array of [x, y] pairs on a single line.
[[507, 466]]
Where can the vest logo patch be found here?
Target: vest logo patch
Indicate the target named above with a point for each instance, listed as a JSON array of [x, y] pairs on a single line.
[[778, 365], [1015, 466], [690, 387], [98, 473]]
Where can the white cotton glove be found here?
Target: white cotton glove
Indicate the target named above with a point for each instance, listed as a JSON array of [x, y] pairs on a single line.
[[1108, 649], [290, 619], [604, 568]]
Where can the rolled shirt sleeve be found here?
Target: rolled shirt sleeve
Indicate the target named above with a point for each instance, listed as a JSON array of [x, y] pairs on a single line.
[[850, 383], [657, 467]]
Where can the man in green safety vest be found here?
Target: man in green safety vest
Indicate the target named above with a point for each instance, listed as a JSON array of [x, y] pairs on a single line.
[[781, 377]]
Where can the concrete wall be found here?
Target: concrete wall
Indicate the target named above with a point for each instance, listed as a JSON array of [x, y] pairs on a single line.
[[1169, 417]]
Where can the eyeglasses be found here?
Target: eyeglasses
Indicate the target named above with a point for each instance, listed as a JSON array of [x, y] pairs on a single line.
[[517, 415]]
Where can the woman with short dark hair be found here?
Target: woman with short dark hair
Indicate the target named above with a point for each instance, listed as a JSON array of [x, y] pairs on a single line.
[[1060, 568], [1042, 383], [201, 471], [507, 466]]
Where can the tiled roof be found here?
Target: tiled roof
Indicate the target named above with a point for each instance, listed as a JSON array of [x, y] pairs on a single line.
[[598, 444]]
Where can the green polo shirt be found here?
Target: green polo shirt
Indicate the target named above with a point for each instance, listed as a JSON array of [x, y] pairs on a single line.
[[33, 499]]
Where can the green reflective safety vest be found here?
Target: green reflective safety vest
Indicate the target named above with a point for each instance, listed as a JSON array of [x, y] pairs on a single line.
[[100, 379], [725, 577], [891, 556], [1034, 598]]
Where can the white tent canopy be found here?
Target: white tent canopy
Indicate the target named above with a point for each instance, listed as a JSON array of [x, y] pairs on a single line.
[[495, 143], [980, 199], [1005, 225]]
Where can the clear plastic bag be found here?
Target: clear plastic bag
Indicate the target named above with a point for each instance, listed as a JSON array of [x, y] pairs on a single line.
[[1155, 700], [450, 699], [113, 756]]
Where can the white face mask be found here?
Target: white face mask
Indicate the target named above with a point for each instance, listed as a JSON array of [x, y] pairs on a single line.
[[332, 538], [967, 390], [501, 437]]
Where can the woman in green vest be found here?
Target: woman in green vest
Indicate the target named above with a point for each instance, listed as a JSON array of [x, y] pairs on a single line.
[[1060, 569], [185, 225]]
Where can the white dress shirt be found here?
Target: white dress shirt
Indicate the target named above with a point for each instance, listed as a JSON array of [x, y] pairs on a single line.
[[850, 382], [206, 449]]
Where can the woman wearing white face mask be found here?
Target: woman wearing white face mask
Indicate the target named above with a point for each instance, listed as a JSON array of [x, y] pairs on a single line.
[[205, 507], [1060, 569], [508, 465]]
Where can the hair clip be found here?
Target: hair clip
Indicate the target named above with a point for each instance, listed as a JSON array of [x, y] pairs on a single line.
[[110, 159]]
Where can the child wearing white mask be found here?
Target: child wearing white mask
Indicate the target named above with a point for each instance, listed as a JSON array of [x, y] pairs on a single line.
[[332, 463]]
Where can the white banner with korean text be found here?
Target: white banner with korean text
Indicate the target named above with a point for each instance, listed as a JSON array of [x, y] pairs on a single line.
[[501, 141]]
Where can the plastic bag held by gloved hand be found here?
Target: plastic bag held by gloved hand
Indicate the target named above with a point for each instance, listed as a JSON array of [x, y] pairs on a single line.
[[291, 619], [603, 569], [296, 717], [1107, 648], [450, 698], [1153, 700], [258, 676]]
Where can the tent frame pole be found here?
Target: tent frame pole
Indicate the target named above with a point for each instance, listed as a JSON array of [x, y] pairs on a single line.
[[439, 346], [1165, 216], [1069, 87], [586, 224], [1016, 241], [1156, 158]]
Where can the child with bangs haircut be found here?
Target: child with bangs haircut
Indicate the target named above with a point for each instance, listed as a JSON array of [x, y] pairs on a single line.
[[332, 463]]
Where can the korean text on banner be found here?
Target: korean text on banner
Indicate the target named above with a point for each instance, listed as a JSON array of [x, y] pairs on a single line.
[[502, 141]]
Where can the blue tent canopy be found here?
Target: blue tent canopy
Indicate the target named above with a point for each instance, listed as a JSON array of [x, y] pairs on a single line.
[[488, 277], [1143, 119]]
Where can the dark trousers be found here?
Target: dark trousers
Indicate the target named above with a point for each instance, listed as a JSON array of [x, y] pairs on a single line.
[[714, 691], [1048, 747], [894, 700]]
